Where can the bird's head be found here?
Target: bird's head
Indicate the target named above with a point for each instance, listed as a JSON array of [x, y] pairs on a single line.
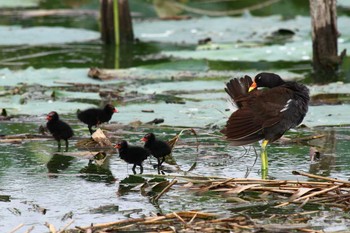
[[121, 145], [265, 79], [110, 108], [52, 116], [148, 137]]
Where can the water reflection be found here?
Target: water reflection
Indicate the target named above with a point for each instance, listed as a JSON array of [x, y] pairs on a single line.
[[130, 55], [326, 147], [127, 184], [96, 173], [58, 163], [98, 169]]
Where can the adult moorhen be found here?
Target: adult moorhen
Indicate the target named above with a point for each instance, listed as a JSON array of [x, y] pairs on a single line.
[[158, 148], [59, 129], [264, 114], [95, 116], [132, 154]]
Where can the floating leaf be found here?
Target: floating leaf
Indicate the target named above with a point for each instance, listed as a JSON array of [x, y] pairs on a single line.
[[227, 29], [19, 3], [132, 179], [5, 198], [97, 173], [159, 186], [106, 209], [49, 35], [129, 183]]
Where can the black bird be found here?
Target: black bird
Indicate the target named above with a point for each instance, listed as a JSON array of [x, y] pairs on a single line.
[[60, 130], [95, 116], [264, 114], [158, 148], [132, 154]]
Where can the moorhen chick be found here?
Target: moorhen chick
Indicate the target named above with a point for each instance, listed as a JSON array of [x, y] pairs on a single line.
[[158, 148], [95, 116], [132, 154], [60, 130], [264, 114]]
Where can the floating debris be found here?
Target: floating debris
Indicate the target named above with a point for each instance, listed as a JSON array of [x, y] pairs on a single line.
[[329, 191], [190, 221]]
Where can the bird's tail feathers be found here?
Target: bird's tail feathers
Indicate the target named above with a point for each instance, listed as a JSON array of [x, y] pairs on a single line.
[[238, 87]]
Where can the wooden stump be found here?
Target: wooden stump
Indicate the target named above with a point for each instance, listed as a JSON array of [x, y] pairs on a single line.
[[116, 23], [324, 40]]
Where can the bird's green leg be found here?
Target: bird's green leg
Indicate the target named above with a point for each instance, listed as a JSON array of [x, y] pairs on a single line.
[[264, 161]]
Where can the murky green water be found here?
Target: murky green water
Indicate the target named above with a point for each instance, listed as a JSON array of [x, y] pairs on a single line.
[[32, 175], [183, 83]]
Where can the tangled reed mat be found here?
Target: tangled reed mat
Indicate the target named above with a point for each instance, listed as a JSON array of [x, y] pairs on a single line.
[[317, 190]]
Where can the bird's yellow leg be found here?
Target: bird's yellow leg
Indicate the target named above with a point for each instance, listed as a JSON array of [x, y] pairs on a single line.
[[264, 161]]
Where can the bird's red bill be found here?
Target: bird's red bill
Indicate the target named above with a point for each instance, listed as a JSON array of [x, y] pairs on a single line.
[[115, 110], [118, 146], [252, 87], [144, 139]]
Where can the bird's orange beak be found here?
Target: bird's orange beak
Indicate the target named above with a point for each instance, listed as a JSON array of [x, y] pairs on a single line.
[[252, 87], [144, 139], [118, 146]]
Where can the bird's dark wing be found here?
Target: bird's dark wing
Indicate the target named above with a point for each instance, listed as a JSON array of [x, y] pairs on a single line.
[[66, 130], [241, 128], [272, 105], [259, 110], [138, 154], [161, 147], [88, 115]]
